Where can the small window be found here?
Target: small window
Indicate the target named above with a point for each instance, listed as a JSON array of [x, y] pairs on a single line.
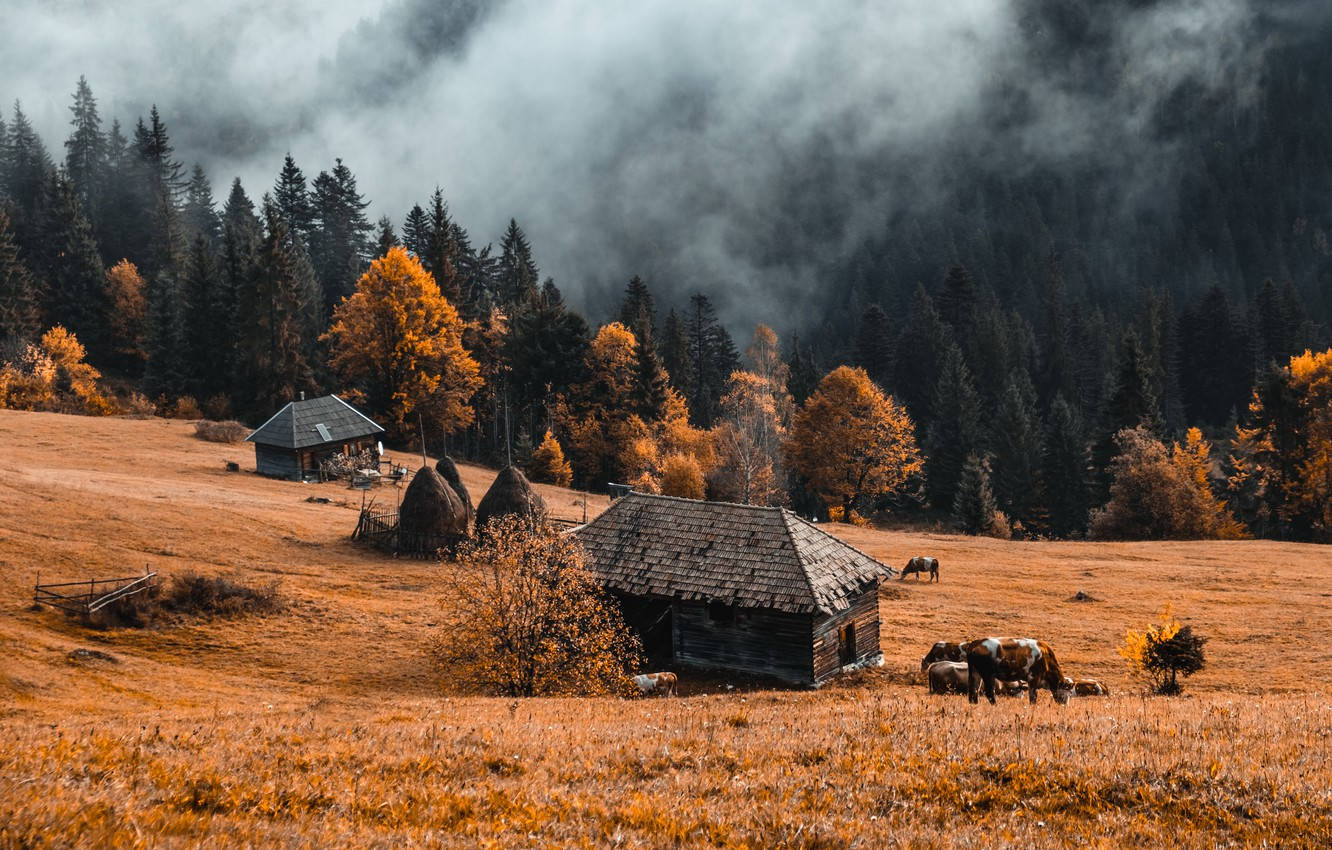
[[721, 613], [846, 644]]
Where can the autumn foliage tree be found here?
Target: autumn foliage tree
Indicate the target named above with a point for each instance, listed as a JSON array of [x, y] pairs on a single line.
[[1163, 651], [129, 314], [527, 619], [852, 442], [756, 412], [52, 374], [399, 342], [548, 465]]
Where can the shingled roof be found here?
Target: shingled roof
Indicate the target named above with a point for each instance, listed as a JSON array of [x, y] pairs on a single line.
[[742, 555], [314, 422]]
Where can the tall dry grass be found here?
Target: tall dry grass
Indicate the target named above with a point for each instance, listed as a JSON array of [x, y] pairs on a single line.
[[851, 768]]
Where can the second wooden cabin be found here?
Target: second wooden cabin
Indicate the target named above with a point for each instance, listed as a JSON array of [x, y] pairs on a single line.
[[737, 587]]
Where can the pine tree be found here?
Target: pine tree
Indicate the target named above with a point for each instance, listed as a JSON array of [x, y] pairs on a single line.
[[416, 234], [18, 290], [165, 373], [1064, 470], [199, 215], [922, 347], [85, 149], [1015, 439], [25, 173], [1217, 363], [675, 354], [803, 377], [874, 345], [637, 311], [291, 196], [340, 242], [442, 257], [955, 431], [275, 345], [164, 242], [957, 301], [1057, 375], [238, 273], [1131, 404], [652, 384], [119, 211], [712, 357], [546, 348], [204, 316], [518, 274], [68, 261], [387, 238], [974, 506]]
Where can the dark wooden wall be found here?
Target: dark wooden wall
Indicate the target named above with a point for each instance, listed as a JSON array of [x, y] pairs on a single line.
[[278, 463], [757, 640], [864, 613]]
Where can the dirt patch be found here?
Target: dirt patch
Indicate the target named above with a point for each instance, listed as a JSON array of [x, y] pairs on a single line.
[[84, 656]]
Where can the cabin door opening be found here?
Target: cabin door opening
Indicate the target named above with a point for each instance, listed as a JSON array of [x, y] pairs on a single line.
[[846, 644]]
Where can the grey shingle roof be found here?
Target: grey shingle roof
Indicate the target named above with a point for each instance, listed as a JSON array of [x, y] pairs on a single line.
[[715, 551], [298, 425]]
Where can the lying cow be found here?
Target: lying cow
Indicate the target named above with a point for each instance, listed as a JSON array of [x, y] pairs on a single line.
[[1014, 659], [920, 565], [942, 651], [951, 677], [654, 683], [1088, 688]]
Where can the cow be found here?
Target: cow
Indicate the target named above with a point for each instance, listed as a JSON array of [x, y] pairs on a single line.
[[920, 565], [1088, 688], [948, 677], [651, 683], [951, 677], [942, 651], [1014, 659]]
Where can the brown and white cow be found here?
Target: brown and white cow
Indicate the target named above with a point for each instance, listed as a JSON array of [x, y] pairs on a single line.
[[653, 683], [920, 565], [947, 677], [1089, 688], [942, 651], [1014, 659]]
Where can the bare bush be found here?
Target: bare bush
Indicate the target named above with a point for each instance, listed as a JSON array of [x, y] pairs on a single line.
[[229, 431], [189, 596], [526, 618]]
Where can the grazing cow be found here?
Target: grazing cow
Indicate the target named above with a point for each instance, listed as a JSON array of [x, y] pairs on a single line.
[[942, 651], [1014, 659], [948, 677], [1089, 688], [652, 683], [952, 677], [920, 565]]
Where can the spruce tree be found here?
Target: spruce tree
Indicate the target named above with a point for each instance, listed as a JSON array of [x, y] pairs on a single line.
[[651, 385], [1057, 371], [205, 312], [441, 256], [974, 506], [1130, 404], [291, 196], [637, 311], [18, 290], [119, 211], [804, 375], [1064, 470], [163, 244], [675, 354], [874, 345], [546, 349], [921, 349], [68, 261], [1015, 438], [416, 235], [955, 431], [85, 149], [199, 215], [237, 293], [25, 176], [713, 357], [340, 242], [518, 274], [1217, 364], [957, 302], [166, 372], [387, 238]]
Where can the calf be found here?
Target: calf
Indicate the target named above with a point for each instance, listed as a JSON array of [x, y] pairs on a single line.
[[920, 565], [948, 677], [942, 651], [1089, 688], [1013, 659], [652, 683]]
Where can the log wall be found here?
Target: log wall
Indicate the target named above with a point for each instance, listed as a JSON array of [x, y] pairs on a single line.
[[864, 614], [756, 640]]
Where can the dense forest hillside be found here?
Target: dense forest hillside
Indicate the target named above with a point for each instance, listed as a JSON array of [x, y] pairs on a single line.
[[1130, 229]]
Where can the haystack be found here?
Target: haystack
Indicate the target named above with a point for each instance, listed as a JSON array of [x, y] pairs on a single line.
[[431, 515], [447, 468], [510, 494]]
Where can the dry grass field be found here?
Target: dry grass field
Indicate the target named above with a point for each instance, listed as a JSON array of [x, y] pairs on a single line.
[[325, 725]]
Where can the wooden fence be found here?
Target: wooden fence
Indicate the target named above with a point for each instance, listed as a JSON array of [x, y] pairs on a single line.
[[89, 597], [380, 528]]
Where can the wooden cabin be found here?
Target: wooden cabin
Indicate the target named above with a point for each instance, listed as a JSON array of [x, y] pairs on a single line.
[[298, 437], [737, 587]]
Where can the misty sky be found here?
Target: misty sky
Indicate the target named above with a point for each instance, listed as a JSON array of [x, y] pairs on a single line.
[[663, 138]]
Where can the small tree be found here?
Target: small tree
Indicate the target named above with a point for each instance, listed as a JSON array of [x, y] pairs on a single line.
[[682, 476], [548, 465], [1163, 651], [526, 618]]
